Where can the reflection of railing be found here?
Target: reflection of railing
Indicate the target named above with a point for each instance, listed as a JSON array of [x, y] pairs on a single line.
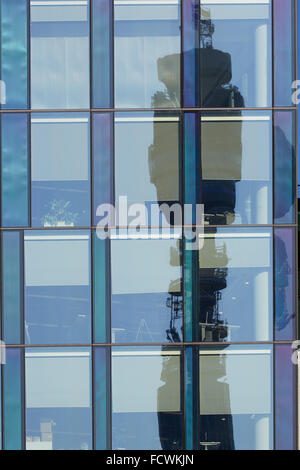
[[175, 303]]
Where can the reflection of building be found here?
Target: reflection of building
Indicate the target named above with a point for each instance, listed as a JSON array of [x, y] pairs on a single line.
[[218, 196]]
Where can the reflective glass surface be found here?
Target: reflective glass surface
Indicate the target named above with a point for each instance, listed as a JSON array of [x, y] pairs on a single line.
[[285, 397], [285, 283], [146, 303], [146, 408], [236, 168], [235, 54], [13, 399], [14, 170], [236, 405], [285, 167], [147, 54], [148, 171], [60, 170], [57, 287], [14, 48], [235, 285], [59, 54], [12, 287], [58, 399]]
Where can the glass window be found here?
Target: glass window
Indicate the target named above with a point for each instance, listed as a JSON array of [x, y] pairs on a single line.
[[285, 167], [285, 284], [236, 399], [235, 54], [13, 396], [58, 399], [12, 287], [14, 170], [146, 399], [236, 167], [60, 170], [60, 54], [146, 291], [235, 285], [148, 171], [285, 396], [14, 54], [147, 54], [57, 287]]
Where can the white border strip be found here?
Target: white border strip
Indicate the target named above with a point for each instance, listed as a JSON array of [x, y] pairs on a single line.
[[64, 3], [58, 120], [240, 352], [234, 235], [29, 238]]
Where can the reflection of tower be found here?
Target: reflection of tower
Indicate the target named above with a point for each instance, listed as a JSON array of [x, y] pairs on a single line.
[[220, 171]]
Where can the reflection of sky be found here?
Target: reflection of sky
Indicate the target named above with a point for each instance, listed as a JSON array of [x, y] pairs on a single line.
[[138, 45]]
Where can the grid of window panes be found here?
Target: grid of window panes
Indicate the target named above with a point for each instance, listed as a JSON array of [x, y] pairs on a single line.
[[142, 342]]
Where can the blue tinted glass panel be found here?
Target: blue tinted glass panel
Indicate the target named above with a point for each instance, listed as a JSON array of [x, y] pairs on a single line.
[[191, 397], [14, 170], [101, 286], [285, 172], [146, 301], [146, 396], [102, 162], [58, 399], [236, 168], [60, 170], [102, 14], [285, 294], [235, 54], [236, 398], [13, 405], [284, 51], [102, 357], [57, 287], [14, 54], [12, 286], [285, 393], [190, 45], [235, 285], [192, 184], [147, 54], [59, 55]]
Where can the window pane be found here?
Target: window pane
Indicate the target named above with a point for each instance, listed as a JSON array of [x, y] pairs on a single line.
[[14, 54], [235, 54], [60, 170], [285, 167], [102, 51], [12, 287], [286, 397], [235, 285], [284, 50], [13, 406], [146, 291], [58, 399], [146, 396], [285, 284], [14, 170], [102, 398], [147, 54], [148, 171], [236, 409], [57, 287], [236, 157], [59, 54]]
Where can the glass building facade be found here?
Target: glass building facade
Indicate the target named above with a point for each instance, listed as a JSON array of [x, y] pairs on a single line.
[[124, 343]]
